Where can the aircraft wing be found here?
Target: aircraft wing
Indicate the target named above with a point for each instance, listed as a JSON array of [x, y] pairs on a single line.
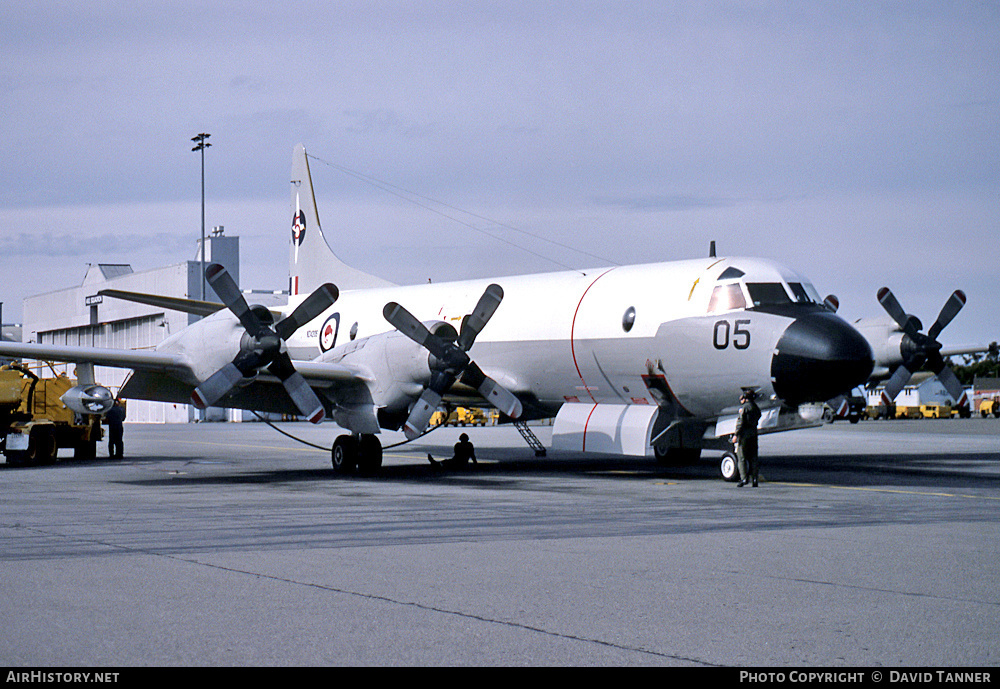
[[317, 373], [320, 374], [968, 349], [146, 360], [170, 377]]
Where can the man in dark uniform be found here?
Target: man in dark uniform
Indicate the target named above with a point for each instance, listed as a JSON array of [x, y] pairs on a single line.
[[115, 419], [745, 438], [464, 452]]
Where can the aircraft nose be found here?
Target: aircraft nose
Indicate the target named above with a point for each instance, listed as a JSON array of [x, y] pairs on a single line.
[[818, 357]]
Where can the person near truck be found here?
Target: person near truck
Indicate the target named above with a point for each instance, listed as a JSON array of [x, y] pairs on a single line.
[[115, 418]]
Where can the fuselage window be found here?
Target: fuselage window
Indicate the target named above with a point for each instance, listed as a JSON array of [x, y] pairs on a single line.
[[727, 298], [768, 294], [628, 320]]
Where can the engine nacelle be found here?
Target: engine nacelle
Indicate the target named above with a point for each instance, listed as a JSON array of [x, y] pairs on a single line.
[[399, 368], [88, 399]]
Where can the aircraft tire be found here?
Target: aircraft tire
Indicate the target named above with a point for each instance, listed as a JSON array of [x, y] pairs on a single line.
[[729, 467], [344, 455], [369, 454]]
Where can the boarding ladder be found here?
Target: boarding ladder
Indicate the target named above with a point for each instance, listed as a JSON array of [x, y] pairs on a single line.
[[533, 442]]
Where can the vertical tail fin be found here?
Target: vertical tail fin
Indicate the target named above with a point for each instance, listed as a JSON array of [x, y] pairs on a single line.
[[311, 261]]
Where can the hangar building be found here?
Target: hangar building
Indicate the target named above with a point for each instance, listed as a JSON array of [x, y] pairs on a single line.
[[79, 316]]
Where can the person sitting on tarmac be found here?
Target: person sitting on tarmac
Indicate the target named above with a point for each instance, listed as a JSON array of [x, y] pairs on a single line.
[[464, 451]]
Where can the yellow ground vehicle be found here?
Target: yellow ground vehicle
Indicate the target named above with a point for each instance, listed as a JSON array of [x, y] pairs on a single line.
[[908, 412], [35, 423], [935, 411], [462, 416], [990, 406], [880, 411]]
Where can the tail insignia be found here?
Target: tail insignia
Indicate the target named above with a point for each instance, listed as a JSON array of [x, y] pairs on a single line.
[[298, 228]]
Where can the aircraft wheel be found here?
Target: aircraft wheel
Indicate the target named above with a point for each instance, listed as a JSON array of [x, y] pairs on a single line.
[[369, 454], [729, 467], [345, 454]]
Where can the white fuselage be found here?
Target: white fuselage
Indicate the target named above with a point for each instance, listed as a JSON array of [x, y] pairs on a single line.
[[590, 336]]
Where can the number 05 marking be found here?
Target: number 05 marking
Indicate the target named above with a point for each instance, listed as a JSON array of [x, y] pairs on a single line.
[[723, 334]]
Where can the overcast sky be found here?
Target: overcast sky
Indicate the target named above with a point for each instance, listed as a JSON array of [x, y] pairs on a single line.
[[858, 143]]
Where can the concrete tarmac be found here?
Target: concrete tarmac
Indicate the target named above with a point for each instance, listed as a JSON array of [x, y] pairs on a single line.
[[232, 545]]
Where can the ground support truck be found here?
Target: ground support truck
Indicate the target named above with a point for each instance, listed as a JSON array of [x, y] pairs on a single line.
[[37, 418]]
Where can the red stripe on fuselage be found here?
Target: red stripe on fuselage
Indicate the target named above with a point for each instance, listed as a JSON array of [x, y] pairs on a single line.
[[572, 338]]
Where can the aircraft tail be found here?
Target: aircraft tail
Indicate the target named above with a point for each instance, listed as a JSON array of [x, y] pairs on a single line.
[[311, 261]]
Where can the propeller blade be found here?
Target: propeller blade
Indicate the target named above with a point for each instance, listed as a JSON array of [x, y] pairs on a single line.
[[406, 323], [473, 324], [501, 398], [311, 307], [839, 406], [494, 393], [951, 383], [421, 413], [304, 397], [298, 389], [897, 382], [217, 385], [229, 292], [889, 302], [950, 309]]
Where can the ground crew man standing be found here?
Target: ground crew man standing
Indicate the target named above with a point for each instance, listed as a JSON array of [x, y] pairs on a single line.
[[745, 438], [115, 419]]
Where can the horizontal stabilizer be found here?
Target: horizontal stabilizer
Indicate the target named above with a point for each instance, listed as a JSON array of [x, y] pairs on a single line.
[[194, 306]]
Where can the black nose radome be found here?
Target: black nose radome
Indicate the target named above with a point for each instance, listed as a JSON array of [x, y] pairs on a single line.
[[818, 357]]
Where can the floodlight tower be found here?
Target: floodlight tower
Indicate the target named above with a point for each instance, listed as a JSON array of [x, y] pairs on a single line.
[[201, 145]]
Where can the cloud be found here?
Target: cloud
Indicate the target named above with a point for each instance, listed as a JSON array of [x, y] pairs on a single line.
[[24, 244]]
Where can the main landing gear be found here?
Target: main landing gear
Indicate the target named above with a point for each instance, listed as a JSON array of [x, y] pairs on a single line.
[[361, 452]]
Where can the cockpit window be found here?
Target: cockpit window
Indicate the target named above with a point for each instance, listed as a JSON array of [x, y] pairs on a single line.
[[727, 298], [800, 293], [811, 295], [768, 294]]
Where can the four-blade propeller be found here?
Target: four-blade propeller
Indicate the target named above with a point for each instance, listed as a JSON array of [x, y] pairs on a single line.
[[921, 350], [450, 360], [265, 346]]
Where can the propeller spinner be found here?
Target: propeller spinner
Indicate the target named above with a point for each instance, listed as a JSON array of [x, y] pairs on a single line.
[[450, 361], [920, 350], [265, 346]]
